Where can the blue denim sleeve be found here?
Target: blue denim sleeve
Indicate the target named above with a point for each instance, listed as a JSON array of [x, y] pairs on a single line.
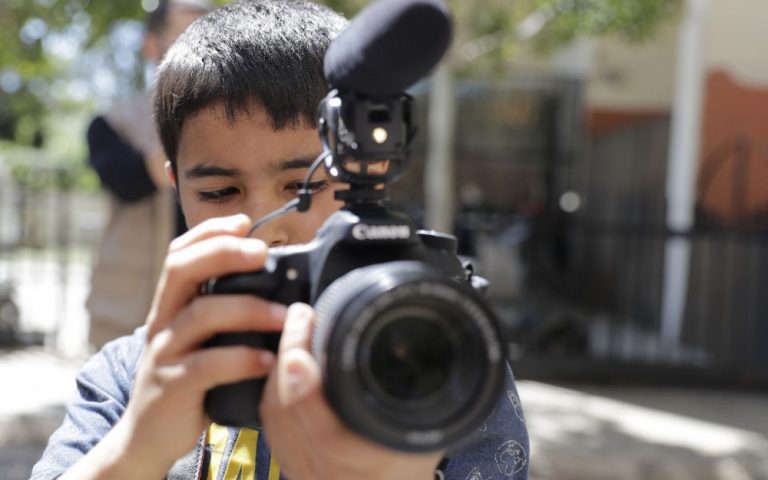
[[499, 449], [103, 389]]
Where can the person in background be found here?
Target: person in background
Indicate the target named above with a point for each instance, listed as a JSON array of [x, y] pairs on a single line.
[[127, 155]]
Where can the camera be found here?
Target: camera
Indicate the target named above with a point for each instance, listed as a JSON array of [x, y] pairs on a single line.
[[411, 355]]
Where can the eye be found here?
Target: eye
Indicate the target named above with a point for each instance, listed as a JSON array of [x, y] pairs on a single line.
[[315, 187], [218, 196]]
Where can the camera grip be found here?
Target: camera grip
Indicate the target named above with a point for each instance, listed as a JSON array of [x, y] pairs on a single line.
[[237, 404]]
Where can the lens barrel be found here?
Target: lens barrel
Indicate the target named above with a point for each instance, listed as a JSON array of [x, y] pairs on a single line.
[[411, 359]]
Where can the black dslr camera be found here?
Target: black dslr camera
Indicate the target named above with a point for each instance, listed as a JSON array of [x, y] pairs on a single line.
[[411, 356]]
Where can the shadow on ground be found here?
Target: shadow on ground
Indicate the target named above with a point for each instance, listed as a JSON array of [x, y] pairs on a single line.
[[576, 435]]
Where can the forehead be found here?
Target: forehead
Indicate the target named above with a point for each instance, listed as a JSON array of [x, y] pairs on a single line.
[[247, 141]]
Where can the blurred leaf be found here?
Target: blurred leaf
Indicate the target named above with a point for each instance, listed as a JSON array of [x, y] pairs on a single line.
[[505, 26], [632, 20], [491, 32], [348, 7], [488, 34]]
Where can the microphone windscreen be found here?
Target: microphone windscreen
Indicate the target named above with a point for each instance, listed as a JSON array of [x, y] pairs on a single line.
[[389, 46]]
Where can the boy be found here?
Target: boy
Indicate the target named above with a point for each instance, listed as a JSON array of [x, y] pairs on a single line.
[[235, 108]]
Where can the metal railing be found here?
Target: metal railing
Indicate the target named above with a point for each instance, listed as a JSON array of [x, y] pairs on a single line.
[[48, 234]]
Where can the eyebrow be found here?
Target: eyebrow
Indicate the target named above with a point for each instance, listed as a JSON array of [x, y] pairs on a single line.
[[205, 170], [291, 164]]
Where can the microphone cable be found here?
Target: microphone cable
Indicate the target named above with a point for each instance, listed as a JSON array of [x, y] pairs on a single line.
[[299, 204]]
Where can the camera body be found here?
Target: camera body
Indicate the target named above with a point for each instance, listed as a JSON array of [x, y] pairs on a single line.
[[411, 356]]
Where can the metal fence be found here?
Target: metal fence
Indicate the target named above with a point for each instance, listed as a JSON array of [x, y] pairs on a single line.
[[593, 300], [48, 234]]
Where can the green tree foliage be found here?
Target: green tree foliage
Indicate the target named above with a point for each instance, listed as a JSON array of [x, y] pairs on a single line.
[[488, 29], [31, 32], [494, 31], [633, 20], [26, 65], [498, 28], [488, 34], [45, 51]]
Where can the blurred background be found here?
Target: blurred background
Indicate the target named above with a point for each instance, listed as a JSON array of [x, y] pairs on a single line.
[[602, 162]]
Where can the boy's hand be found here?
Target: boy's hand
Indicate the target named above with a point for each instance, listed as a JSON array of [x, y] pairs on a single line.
[[165, 415], [306, 437]]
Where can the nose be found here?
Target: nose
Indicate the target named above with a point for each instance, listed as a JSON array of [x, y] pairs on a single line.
[[273, 233]]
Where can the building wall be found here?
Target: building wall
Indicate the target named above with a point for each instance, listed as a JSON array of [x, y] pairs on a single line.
[[630, 84], [733, 168], [624, 82], [633, 77], [735, 37]]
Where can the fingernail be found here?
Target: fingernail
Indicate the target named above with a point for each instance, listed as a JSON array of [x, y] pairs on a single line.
[[241, 218], [234, 222], [252, 247], [267, 358], [297, 379], [278, 311], [300, 311]]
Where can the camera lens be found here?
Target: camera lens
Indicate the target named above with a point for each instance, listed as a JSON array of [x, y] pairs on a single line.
[[411, 359], [411, 355]]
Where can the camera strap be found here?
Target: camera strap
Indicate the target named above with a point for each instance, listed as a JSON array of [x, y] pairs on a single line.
[[440, 470]]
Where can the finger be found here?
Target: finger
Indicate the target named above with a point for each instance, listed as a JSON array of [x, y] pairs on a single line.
[[186, 269], [209, 315], [297, 375], [299, 397], [297, 331], [298, 378], [235, 225], [299, 381], [211, 367], [297, 371]]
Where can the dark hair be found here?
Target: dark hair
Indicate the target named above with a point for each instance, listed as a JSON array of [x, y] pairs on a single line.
[[157, 19], [249, 54]]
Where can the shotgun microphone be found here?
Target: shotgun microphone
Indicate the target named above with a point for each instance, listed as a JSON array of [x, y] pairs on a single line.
[[388, 46]]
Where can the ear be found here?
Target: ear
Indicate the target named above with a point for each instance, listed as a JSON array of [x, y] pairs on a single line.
[[171, 175]]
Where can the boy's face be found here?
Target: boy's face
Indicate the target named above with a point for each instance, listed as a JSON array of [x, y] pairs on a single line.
[[225, 168]]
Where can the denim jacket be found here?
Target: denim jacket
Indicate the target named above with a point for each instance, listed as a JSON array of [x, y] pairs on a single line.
[[499, 449]]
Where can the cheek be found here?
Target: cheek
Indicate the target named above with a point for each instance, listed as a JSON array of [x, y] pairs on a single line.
[[308, 223], [196, 211], [193, 214], [327, 204]]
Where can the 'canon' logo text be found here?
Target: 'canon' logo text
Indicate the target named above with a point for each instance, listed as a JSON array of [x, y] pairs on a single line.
[[381, 232]]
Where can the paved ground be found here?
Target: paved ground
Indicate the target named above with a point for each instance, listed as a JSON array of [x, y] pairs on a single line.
[[583, 432], [577, 432], [36, 384]]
